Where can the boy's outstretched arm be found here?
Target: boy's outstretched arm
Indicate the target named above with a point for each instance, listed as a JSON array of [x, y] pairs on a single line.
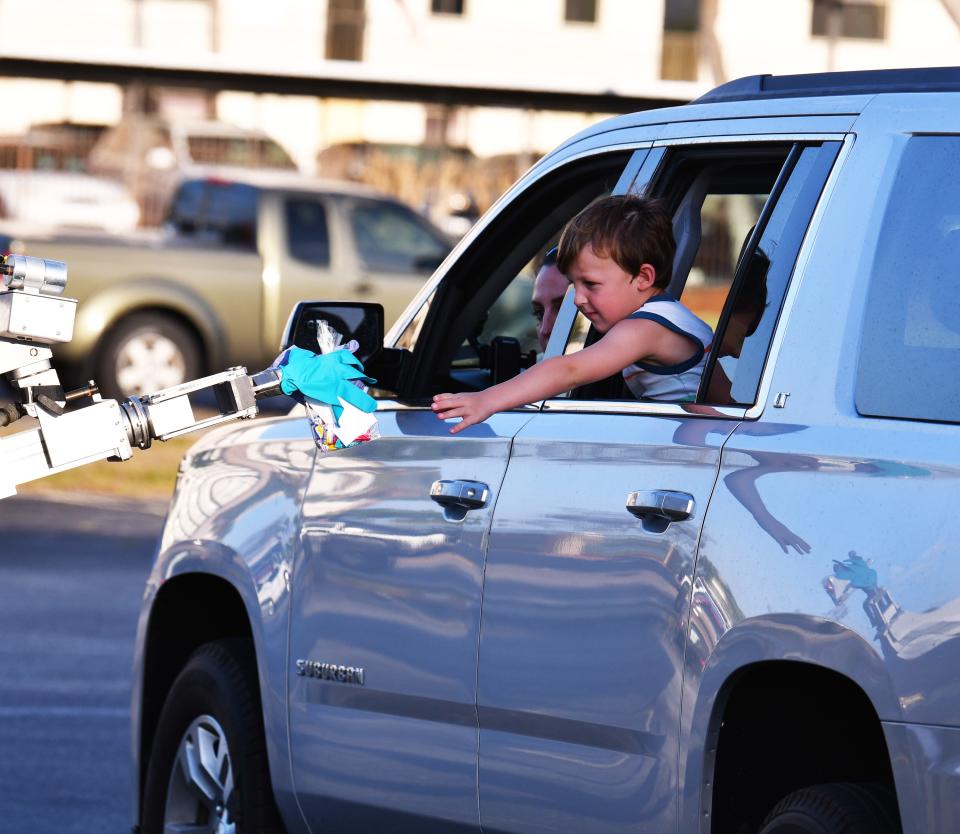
[[621, 346]]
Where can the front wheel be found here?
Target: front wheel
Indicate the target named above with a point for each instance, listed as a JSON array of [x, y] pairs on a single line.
[[836, 808], [147, 352], [208, 769]]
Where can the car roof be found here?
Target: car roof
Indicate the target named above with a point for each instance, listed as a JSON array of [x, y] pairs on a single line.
[[825, 94], [818, 84]]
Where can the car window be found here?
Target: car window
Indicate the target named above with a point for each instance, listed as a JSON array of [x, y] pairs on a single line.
[[715, 195], [243, 151], [724, 200], [391, 238], [910, 350], [743, 337], [231, 215], [478, 328], [185, 208], [221, 213], [308, 236]]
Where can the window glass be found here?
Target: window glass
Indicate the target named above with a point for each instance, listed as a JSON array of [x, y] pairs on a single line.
[[446, 6], [241, 151], [480, 328], [185, 210], [231, 214], [411, 332], [224, 213], [910, 350], [392, 238], [510, 315], [744, 339], [308, 238], [849, 18], [716, 196], [680, 41], [580, 11], [725, 224], [345, 24], [728, 276]]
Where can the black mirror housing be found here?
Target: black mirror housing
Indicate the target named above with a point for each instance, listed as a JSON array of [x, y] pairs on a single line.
[[362, 321]]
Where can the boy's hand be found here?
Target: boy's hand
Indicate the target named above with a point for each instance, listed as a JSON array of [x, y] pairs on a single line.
[[471, 408]]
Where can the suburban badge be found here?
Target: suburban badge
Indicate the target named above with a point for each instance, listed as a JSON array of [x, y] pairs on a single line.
[[330, 671]]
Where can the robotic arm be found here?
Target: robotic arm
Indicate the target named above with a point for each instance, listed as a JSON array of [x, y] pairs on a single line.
[[79, 427]]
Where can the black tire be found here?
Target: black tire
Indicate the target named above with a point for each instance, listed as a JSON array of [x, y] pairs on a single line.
[[146, 352], [838, 808], [215, 696]]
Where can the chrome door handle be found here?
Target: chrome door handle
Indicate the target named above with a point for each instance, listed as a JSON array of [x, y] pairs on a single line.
[[661, 503], [462, 495]]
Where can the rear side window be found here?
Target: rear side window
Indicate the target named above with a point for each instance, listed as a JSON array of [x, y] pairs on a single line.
[[910, 351], [232, 214], [392, 238], [746, 331], [185, 209], [308, 237], [216, 212]]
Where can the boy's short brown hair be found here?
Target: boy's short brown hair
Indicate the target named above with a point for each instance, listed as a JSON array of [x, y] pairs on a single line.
[[628, 229]]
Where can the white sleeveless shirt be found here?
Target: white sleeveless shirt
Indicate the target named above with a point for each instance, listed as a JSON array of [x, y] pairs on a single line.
[[670, 383]]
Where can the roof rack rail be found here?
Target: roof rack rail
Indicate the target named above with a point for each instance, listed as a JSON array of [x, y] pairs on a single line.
[[919, 80]]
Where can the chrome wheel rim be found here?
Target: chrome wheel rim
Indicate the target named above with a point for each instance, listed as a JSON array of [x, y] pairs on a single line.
[[149, 361], [200, 795]]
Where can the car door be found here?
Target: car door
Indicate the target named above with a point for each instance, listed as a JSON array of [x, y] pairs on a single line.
[[593, 547], [388, 579], [842, 488]]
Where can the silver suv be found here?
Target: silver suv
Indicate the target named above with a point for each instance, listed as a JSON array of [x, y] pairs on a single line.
[[599, 614]]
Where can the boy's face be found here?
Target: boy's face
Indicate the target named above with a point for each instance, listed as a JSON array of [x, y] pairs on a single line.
[[605, 292]]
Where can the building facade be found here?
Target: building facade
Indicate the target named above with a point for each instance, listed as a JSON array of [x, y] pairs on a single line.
[[670, 48]]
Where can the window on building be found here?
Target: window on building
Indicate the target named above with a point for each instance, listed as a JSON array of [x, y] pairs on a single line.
[[849, 19], [345, 23], [680, 53], [580, 11], [447, 6]]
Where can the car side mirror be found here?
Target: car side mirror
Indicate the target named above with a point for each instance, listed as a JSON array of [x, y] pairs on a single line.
[[362, 321]]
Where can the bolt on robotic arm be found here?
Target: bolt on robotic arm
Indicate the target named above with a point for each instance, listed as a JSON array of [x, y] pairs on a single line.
[[79, 427]]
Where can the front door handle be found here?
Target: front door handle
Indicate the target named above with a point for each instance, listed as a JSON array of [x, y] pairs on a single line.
[[663, 504], [460, 495]]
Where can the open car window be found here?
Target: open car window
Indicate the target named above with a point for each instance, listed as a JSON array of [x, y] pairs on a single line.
[[745, 331], [739, 216], [477, 328]]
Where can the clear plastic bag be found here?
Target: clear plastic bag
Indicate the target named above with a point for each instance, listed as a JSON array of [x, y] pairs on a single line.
[[354, 426]]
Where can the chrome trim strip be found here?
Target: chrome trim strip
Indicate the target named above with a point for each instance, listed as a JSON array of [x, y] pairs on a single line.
[[661, 409], [735, 139], [799, 270], [396, 405]]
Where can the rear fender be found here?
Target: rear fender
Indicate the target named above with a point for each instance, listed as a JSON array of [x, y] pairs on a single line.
[[777, 637]]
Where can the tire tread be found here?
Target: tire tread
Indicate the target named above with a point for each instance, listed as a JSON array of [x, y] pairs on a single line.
[[838, 808]]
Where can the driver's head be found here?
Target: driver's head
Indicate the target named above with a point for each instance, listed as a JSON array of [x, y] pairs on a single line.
[[548, 291]]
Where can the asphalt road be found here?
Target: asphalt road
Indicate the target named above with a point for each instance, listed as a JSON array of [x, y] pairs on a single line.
[[72, 573]]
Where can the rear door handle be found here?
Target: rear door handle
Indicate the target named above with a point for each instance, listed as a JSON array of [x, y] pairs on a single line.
[[460, 495], [663, 504]]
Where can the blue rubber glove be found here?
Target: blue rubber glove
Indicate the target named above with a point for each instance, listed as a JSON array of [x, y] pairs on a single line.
[[326, 377]]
